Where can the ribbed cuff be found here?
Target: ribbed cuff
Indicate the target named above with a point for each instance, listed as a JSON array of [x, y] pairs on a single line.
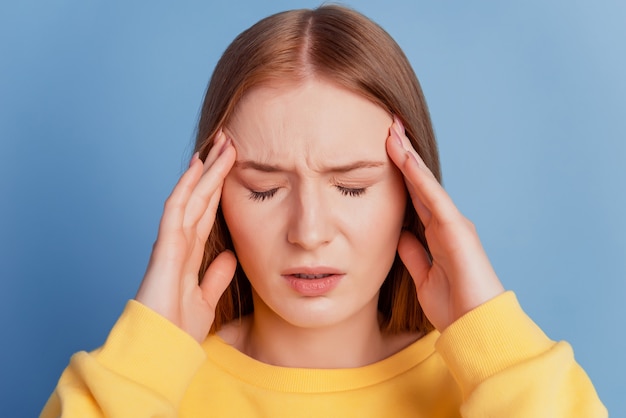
[[488, 339], [148, 349]]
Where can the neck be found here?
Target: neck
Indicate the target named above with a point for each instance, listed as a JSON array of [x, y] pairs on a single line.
[[354, 342]]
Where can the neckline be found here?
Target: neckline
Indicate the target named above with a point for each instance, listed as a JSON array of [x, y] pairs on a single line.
[[301, 380]]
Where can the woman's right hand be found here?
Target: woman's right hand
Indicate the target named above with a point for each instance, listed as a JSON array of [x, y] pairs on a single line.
[[170, 286]]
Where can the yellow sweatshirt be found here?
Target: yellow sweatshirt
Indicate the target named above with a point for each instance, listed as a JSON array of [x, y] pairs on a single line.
[[492, 362]]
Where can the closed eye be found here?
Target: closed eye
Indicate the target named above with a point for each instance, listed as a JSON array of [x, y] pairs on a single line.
[[351, 191], [261, 196]]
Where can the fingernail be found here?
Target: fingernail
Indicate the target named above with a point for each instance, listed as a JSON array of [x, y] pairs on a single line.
[[194, 157], [218, 138], [225, 144], [399, 126], [396, 137]]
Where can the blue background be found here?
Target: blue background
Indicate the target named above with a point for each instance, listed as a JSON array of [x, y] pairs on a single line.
[[98, 103]]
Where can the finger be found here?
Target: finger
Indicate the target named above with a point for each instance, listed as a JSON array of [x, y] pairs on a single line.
[[400, 157], [426, 192], [414, 257], [210, 184], [217, 277], [422, 211], [206, 221], [194, 157], [176, 203], [203, 228], [216, 149]]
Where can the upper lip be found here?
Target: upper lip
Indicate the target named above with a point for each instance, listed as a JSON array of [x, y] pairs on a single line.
[[311, 270]]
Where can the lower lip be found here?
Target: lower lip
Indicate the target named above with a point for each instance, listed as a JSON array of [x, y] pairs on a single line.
[[314, 287]]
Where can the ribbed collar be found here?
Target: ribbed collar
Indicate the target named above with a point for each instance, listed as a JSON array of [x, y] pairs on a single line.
[[298, 380]]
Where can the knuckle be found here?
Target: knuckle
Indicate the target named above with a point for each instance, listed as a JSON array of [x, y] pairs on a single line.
[[469, 225], [170, 204]]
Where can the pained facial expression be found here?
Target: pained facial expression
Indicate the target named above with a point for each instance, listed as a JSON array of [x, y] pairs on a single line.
[[313, 204]]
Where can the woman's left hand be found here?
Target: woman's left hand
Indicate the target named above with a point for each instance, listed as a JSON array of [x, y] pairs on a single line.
[[460, 277]]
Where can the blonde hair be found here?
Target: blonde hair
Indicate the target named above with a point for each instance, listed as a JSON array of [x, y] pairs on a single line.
[[340, 45]]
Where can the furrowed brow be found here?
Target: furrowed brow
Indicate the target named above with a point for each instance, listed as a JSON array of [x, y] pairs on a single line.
[[254, 165], [270, 168]]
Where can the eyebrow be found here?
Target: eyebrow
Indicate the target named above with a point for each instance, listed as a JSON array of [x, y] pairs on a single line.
[[270, 168]]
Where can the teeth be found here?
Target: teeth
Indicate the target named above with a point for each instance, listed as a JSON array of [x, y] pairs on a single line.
[[311, 276]]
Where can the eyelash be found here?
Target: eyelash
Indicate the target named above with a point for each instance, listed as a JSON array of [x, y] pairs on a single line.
[[268, 194], [353, 192], [261, 196]]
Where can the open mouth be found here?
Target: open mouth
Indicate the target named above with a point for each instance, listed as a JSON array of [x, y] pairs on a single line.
[[311, 276], [309, 284]]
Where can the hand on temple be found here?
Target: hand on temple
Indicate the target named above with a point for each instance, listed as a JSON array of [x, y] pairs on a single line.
[[170, 286], [459, 277]]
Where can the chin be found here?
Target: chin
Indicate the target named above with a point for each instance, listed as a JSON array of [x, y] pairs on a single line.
[[318, 312]]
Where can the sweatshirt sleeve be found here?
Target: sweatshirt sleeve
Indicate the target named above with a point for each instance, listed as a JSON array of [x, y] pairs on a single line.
[[507, 367], [142, 370]]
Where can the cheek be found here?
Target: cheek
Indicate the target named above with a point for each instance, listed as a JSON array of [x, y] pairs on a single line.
[[375, 224], [245, 221]]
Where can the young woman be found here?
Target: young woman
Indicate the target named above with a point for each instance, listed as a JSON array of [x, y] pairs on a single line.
[[309, 263]]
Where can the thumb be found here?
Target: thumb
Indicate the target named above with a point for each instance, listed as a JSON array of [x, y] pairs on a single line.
[[415, 258], [217, 277]]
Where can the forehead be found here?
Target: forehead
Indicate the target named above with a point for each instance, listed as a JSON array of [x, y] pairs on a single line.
[[312, 119]]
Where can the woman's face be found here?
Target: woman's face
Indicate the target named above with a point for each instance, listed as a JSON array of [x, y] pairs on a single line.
[[313, 204]]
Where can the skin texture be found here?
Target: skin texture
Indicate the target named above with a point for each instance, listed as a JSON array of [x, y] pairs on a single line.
[[170, 285], [460, 276], [305, 216], [332, 202]]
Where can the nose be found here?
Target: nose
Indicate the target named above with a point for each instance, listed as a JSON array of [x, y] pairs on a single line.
[[310, 219]]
